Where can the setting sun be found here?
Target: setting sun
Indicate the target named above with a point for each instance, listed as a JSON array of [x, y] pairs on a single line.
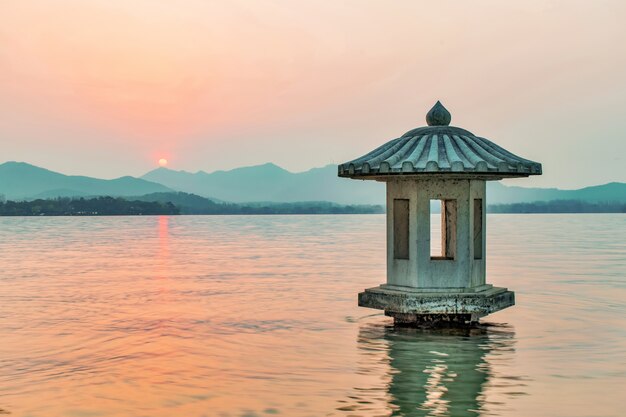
[[162, 162]]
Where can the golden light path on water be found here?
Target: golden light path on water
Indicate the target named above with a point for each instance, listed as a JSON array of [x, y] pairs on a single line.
[[256, 316]]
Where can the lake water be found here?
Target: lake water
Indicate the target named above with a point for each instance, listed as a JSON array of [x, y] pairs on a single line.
[[256, 316]]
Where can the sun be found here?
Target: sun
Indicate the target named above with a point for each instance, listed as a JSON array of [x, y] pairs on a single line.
[[162, 162]]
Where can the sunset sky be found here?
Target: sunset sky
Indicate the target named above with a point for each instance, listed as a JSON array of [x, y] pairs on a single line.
[[109, 87]]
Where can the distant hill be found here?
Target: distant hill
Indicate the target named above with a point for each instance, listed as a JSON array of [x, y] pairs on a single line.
[[56, 193], [497, 193], [269, 182], [194, 204], [262, 183], [20, 181], [189, 203]]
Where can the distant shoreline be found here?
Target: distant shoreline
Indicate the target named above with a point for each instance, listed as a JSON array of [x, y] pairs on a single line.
[[189, 204], [558, 207], [186, 205]]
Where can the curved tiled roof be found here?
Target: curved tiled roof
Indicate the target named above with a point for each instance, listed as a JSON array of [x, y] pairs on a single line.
[[440, 149]]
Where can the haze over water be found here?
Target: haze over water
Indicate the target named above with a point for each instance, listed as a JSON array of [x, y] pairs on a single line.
[[257, 316]]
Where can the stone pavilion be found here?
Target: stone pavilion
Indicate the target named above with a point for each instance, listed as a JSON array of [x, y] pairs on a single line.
[[443, 285]]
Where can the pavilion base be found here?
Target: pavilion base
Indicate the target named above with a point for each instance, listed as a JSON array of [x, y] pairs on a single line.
[[431, 309]]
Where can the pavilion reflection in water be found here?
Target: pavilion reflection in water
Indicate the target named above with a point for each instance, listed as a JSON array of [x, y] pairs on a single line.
[[421, 373]]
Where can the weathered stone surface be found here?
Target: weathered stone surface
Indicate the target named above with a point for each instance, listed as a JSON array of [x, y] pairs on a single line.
[[436, 291], [477, 304], [419, 269]]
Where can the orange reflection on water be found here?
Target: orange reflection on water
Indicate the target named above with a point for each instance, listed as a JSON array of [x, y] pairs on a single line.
[[164, 252]]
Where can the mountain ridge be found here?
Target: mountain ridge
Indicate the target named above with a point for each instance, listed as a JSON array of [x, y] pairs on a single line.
[[21, 180], [258, 183], [322, 184]]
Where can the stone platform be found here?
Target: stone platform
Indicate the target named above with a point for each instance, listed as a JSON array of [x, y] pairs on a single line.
[[436, 307]]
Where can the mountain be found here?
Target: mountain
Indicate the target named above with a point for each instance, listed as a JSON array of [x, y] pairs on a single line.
[[194, 204], [188, 203], [261, 183], [20, 181], [498, 193], [269, 182]]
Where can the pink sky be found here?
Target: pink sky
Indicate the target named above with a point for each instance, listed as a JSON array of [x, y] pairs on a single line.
[[106, 88]]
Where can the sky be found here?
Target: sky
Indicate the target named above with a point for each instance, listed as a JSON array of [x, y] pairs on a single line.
[[106, 88]]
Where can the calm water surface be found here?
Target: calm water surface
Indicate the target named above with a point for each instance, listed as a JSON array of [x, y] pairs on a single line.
[[256, 316]]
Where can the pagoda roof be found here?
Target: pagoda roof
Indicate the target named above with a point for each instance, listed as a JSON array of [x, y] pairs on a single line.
[[441, 150]]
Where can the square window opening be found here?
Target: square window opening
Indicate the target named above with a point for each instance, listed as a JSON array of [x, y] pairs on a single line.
[[443, 229]]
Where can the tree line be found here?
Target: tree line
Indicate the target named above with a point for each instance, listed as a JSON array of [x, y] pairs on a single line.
[[559, 206], [195, 204], [97, 206], [184, 204]]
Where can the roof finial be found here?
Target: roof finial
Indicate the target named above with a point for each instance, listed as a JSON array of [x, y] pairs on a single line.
[[438, 115]]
